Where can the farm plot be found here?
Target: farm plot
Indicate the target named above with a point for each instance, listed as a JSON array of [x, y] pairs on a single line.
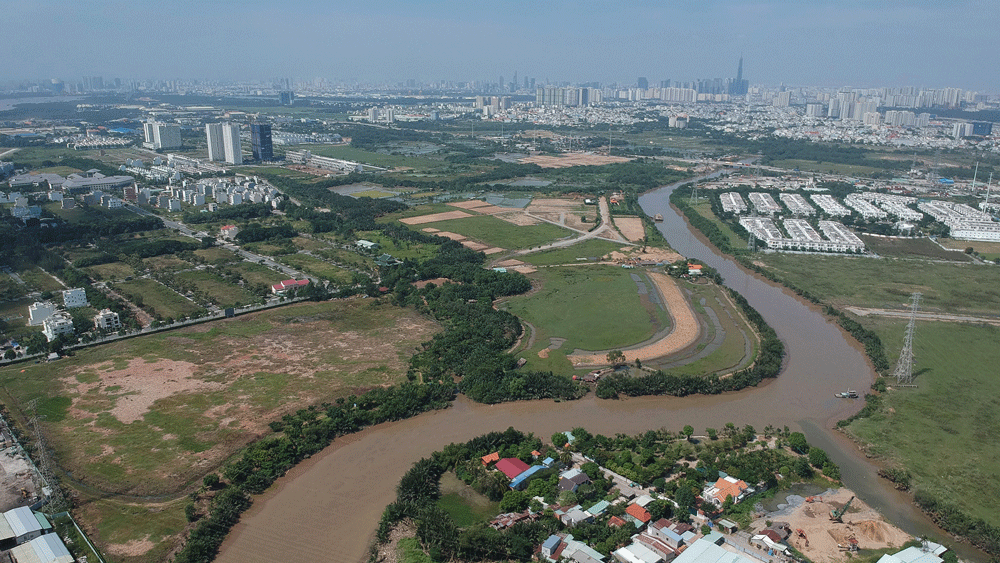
[[156, 299]]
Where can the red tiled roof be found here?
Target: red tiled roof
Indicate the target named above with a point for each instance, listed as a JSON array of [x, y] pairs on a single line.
[[490, 458], [638, 512], [616, 522], [727, 488], [512, 467]]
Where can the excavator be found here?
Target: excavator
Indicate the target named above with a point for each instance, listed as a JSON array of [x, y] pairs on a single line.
[[837, 515]]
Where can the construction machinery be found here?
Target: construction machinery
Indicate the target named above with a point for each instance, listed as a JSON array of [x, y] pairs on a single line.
[[800, 533], [837, 514], [814, 499], [850, 545]]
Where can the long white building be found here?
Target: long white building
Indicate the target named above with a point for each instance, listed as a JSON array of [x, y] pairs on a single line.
[[802, 236], [732, 202], [764, 203], [797, 204], [965, 222], [829, 205]]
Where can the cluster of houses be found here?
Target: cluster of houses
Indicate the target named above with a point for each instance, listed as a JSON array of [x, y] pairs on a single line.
[[56, 321], [30, 538], [223, 191], [89, 187]]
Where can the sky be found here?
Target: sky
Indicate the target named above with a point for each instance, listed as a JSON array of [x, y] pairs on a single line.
[[829, 43]]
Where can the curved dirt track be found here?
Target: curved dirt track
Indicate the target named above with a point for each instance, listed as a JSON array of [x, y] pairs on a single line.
[[685, 330]]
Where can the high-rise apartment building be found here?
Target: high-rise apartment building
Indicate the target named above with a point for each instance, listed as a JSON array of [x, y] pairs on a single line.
[[224, 142], [161, 135], [260, 141]]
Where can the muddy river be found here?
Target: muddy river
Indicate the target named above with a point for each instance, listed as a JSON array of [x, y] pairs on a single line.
[[327, 508]]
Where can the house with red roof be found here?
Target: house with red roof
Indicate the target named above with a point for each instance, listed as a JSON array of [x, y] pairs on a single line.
[[511, 467], [282, 287], [638, 515], [490, 458], [726, 487]]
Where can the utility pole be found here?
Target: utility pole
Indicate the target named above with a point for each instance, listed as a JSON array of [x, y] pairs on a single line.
[[904, 367]]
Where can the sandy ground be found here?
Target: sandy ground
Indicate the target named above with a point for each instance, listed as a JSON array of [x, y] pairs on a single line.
[[685, 332], [143, 383], [494, 250], [573, 159], [474, 245], [436, 281], [430, 230], [470, 204], [861, 522], [564, 211], [635, 254], [435, 217], [520, 219], [452, 236], [15, 474], [631, 227]]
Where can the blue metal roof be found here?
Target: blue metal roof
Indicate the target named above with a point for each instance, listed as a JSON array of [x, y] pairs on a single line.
[[551, 543], [525, 475]]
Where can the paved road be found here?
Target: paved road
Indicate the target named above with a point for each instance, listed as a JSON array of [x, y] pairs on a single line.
[[864, 312], [584, 235]]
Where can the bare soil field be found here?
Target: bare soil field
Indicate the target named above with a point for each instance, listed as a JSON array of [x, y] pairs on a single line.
[[635, 254], [631, 227], [171, 406], [519, 218], [434, 217], [686, 329], [861, 522], [473, 204], [452, 236], [564, 211], [474, 245], [575, 159]]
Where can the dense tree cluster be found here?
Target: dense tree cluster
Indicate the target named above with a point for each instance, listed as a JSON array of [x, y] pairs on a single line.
[[953, 518]]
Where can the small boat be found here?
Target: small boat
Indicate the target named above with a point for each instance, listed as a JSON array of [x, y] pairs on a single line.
[[849, 394], [658, 217]]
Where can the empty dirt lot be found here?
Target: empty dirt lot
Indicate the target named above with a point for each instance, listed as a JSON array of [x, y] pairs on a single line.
[[577, 159]]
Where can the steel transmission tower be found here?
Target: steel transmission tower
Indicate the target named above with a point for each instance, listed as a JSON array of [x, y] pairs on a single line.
[[56, 501], [904, 367]]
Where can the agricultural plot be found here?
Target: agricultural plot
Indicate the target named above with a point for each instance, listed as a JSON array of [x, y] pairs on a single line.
[[168, 263], [216, 255], [588, 250], [348, 152], [156, 298], [110, 271], [256, 274], [38, 280], [887, 283], [913, 248]]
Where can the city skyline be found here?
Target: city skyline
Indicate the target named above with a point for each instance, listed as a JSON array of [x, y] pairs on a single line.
[[824, 43]]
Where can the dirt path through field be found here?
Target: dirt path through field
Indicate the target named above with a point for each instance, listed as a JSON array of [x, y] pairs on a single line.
[[685, 333]]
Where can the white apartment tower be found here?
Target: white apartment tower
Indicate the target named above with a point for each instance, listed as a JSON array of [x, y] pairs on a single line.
[[161, 135], [224, 142]]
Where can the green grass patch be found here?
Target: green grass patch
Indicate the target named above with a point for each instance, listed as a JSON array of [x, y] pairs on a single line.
[[118, 523], [410, 551], [111, 271], [257, 273], [465, 505], [888, 283], [497, 232], [592, 249], [156, 298], [216, 255], [400, 249], [219, 291], [913, 248], [167, 263], [319, 268], [731, 355], [829, 167], [928, 430], [986, 250], [592, 307], [704, 209], [38, 280]]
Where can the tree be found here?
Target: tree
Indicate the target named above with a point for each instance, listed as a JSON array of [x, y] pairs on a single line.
[[797, 441], [10, 354], [684, 497], [559, 440], [514, 501], [801, 468], [712, 433], [211, 480], [616, 358], [817, 457], [688, 431]]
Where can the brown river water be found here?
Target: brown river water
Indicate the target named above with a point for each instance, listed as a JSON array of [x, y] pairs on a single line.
[[326, 509]]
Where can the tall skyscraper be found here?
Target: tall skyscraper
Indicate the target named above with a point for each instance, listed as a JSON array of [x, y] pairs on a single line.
[[260, 141], [216, 149], [224, 142], [643, 83], [739, 86], [286, 97]]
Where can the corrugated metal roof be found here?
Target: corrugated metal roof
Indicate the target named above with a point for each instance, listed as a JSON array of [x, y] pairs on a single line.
[[22, 521], [6, 532]]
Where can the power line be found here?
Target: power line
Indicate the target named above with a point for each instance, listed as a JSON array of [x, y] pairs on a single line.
[[904, 367]]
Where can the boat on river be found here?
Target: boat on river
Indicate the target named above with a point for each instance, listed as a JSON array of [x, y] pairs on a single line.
[[658, 217], [849, 394]]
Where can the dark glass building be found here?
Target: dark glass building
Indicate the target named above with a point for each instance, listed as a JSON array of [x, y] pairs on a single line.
[[260, 139]]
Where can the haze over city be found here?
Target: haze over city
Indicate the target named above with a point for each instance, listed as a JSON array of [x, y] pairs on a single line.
[[822, 43]]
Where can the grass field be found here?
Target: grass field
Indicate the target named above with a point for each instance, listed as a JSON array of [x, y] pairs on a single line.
[[38, 280], [592, 249], [497, 232], [828, 167], [465, 505], [944, 431], [887, 283], [410, 551], [731, 354], [112, 271], [348, 152], [317, 267], [61, 170], [216, 255], [592, 307], [401, 249], [988, 250], [220, 291], [111, 524], [704, 209], [157, 297], [167, 263], [257, 274], [913, 248]]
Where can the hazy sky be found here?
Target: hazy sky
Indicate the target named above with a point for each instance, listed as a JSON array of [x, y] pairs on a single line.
[[933, 43]]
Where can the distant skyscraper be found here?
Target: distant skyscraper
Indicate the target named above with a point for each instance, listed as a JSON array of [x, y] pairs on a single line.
[[643, 83], [260, 140], [286, 97], [739, 86]]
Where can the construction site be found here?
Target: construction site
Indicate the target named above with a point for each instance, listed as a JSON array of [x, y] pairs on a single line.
[[829, 526], [20, 481]]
